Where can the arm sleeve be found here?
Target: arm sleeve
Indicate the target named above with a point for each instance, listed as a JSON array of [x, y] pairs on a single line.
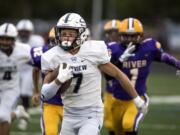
[[162, 56], [49, 90], [170, 60]]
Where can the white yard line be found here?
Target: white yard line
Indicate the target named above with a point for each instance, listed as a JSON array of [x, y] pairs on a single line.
[[165, 99], [160, 126]]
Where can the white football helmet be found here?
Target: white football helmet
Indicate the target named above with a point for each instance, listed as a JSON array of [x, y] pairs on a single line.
[[25, 29], [8, 30], [72, 21], [25, 24]]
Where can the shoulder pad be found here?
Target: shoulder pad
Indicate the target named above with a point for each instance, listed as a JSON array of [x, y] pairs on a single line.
[[147, 40], [112, 43]]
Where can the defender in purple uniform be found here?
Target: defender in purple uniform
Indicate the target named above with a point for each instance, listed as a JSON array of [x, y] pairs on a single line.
[[137, 67], [111, 33], [53, 108]]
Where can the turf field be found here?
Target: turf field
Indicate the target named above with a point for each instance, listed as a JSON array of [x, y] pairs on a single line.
[[163, 117]]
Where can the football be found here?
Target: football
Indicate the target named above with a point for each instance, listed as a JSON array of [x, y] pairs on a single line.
[[65, 85]]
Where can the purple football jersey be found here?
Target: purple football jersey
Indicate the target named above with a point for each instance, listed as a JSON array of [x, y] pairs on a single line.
[[36, 53], [137, 67]]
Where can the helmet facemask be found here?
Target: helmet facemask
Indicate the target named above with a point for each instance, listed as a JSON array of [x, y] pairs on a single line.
[[134, 38], [111, 35], [7, 44], [79, 39], [24, 35]]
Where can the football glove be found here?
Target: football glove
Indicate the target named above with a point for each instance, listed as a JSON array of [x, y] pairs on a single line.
[[127, 53], [65, 72], [141, 105]]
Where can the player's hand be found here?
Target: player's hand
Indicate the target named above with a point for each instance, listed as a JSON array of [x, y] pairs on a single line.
[[141, 105], [65, 73], [36, 99], [127, 53]]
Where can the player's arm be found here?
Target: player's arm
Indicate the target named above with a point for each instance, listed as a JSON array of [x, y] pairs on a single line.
[[36, 94], [35, 75], [170, 60], [165, 57], [113, 71], [50, 85]]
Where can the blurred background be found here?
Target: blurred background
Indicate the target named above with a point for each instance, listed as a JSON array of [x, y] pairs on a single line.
[[161, 20]]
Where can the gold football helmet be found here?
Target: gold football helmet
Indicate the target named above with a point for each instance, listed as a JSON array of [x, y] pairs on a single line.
[[111, 29], [131, 30], [112, 25], [51, 38]]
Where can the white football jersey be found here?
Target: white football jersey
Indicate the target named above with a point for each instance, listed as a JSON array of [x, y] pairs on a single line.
[[85, 88], [9, 77], [36, 41]]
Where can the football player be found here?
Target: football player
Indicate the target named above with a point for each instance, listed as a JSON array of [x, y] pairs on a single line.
[[83, 107], [12, 56], [135, 63], [25, 35], [53, 108], [111, 32]]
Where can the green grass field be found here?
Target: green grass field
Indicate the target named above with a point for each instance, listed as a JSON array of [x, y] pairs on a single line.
[[162, 118]]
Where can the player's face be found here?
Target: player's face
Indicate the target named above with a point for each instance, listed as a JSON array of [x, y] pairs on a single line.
[[6, 44], [24, 35], [68, 35], [127, 38], [112, 35]]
